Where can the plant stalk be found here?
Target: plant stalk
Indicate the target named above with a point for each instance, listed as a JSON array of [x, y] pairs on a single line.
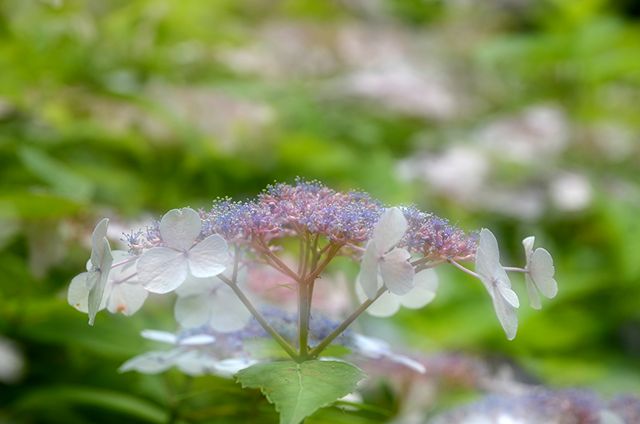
[[346, 323]]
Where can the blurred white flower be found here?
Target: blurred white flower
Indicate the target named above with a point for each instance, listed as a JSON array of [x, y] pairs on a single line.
[[378, 349], [538, 132], [570, 192], [404, 88], [459, 172], [11, 362], [497, 283], [163, 269], [209, 301], [423, 292], [192, 355], [382, 262], [524, 203]]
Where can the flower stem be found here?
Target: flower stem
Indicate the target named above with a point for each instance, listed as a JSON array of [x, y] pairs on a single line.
[[514, 269], [463, 269], [304, 312], [258, 316], [331, 253], [346, 323], [275, 261]]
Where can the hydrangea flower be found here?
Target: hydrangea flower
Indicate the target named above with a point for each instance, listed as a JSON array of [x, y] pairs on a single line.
[[122, 292], [423, 292], [94, 281], [539, 273], [497, 283], [163, 269], [382, 262], [224, 331], [193, 355]]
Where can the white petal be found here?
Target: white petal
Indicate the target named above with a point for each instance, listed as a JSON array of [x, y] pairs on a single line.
[[193, 311], [150, 362], [376, 349], [99, 233], [389, 230], [78, 294], [228, 313], [210, 257], [194, 286], [162, 270], [487, 254], [195, 362], [98, 288], [197, 340], [407, 362], [369, 346], [229, 367], [120, 255], [542, 271], [126, 298], [127, 267], [532, 292], [159, 336], [368, 277], [426, 285], [179, 228], [508, 294], [506, 315], [397, 273], [386, 305], [528, 243]]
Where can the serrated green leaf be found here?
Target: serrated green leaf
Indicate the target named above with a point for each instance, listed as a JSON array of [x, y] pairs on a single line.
[[298, 390]]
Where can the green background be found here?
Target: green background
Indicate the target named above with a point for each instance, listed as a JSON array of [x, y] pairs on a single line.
[[129, 108]]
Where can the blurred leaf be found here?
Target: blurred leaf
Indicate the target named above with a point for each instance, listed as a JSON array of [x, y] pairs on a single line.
[[48, 398], [63, 181], [31, 205]]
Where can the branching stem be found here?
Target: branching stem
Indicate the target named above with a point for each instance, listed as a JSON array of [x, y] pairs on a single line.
[[258, 316], [343, 326]]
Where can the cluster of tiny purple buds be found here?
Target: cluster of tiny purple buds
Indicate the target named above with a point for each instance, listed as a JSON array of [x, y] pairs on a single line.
[[310, 208]]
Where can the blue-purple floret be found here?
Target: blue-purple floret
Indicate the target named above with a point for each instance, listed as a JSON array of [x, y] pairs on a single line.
[[144, 239]]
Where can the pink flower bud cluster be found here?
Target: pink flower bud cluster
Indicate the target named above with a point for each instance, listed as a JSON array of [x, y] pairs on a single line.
[[306, 207], [311, 208]]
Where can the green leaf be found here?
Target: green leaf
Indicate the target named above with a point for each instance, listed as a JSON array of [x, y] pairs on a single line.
[[298, 390], [61, 178], [48, 397]]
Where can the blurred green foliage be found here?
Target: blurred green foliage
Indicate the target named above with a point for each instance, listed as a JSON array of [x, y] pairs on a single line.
[[130, 108]]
